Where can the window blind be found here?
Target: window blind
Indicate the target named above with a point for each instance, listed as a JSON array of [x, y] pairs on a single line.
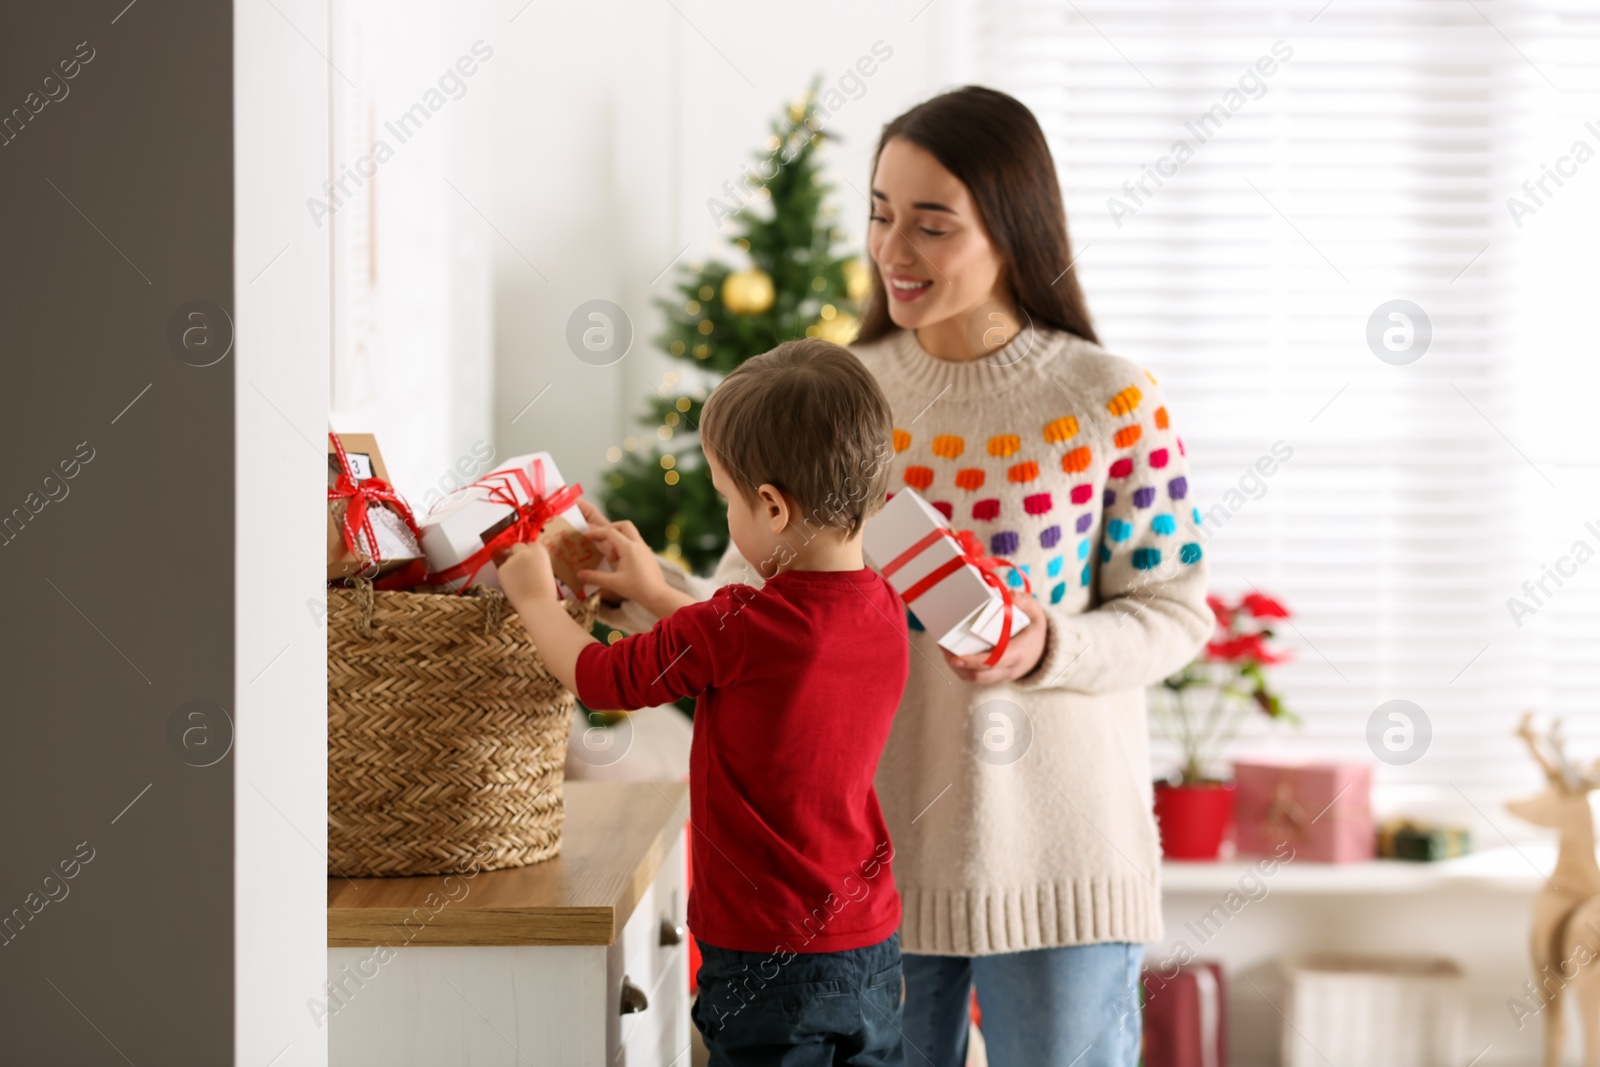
[[1247, 185]]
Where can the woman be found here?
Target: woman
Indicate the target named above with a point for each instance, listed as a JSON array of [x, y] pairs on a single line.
[[1017, 794]]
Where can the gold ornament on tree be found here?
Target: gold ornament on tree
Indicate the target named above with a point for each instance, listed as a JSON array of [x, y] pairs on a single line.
[[747, 292]]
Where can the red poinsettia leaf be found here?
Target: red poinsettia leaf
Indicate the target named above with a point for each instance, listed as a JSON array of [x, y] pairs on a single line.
[[1262, 606], [1254, 645], [1231, 650], [1220, 609]]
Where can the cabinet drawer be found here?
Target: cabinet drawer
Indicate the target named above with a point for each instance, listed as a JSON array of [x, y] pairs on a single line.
[[671, 943], [650, 958], [658, 1037]]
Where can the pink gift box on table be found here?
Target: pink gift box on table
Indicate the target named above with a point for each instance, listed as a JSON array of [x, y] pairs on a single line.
[[1321, 810]]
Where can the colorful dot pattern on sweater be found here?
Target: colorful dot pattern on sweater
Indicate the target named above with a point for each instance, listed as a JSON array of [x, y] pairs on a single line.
[[1114, 480], [1112, 609]]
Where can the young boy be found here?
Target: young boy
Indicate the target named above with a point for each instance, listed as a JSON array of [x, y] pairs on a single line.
[[794, 904]]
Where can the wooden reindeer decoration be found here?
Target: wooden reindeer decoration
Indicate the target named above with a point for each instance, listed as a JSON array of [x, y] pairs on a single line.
[[1565, 942]]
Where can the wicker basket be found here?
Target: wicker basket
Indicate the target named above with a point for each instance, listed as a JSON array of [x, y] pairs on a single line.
[[446, 735]]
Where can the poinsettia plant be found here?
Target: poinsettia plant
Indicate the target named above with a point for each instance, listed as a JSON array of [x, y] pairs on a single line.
[[1204, 706]]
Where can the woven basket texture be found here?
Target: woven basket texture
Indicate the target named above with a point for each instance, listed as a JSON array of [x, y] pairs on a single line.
[[446, 734]]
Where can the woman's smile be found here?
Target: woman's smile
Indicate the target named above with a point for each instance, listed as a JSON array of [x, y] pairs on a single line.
[[905, 288]]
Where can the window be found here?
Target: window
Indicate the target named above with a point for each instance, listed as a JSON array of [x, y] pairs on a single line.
[[1248, 188]]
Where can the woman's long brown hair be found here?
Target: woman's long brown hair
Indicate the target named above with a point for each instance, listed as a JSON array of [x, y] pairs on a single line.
[[994, 145]]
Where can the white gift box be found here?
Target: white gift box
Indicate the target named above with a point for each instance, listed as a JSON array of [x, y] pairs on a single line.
[[963, 609], [395, 540], [1373, 1010], [465, 521]]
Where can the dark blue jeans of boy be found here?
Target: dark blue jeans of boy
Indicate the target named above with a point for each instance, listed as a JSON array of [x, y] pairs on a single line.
[[817, 1009]]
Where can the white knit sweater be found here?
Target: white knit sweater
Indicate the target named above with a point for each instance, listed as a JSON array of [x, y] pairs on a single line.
[[1021, 813]]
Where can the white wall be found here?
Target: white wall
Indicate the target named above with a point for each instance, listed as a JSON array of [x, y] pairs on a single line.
[[615, 126], [281, 403], [412, 289], [582, 156]]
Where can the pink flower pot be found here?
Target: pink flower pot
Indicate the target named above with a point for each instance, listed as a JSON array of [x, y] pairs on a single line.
[[1194, 819]]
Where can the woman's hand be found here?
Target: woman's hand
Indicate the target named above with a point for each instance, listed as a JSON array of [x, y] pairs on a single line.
[[1022, 655]]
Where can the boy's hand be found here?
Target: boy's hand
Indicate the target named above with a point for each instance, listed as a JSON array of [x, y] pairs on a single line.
[[530, 585], [525, 574], [597, 519], [635, 574]]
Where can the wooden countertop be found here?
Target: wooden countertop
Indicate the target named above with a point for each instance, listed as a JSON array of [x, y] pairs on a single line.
[[616, 836]]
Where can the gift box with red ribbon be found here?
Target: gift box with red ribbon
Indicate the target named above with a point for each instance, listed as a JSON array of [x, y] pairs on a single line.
[[1321, 810], [944, 576], [525, 500], [371, 530]]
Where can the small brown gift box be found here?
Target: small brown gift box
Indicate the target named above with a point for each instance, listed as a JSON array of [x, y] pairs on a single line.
[[397, 545]]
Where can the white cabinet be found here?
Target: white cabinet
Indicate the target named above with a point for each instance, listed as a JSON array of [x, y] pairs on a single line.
[[599, 992]]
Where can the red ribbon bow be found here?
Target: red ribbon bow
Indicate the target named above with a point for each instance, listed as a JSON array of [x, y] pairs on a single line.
[[971, 554], [362, 494], [528, 525]]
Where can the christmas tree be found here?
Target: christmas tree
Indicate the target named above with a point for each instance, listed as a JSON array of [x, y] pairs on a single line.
[[792, 283]]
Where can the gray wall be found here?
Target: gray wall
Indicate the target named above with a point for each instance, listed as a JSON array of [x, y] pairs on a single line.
[[117, 650]]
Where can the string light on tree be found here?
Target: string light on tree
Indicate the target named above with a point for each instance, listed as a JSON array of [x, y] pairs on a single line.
[[834, 325], [857, 280]]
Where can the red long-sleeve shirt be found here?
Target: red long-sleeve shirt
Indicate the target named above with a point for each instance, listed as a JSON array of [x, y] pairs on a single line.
[[797, 684]]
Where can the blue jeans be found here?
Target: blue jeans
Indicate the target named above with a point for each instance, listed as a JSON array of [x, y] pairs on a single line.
[[812, 1009], [1076, 1006]]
